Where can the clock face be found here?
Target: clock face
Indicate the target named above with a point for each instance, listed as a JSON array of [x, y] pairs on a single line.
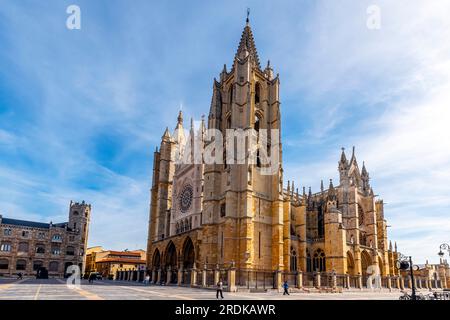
[[186, 198]]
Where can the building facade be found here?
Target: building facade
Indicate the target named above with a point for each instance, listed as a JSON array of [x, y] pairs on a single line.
[[230, 214], [109, 262], [27, 246]]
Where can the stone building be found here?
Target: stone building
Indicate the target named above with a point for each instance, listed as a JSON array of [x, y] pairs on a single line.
[[27, 246], [218, 216], [109, 262]]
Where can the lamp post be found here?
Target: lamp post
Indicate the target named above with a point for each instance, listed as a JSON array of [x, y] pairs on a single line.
[[404, 263], [443, 246]]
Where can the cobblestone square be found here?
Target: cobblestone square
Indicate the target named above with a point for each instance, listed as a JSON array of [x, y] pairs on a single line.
[[56, 289]]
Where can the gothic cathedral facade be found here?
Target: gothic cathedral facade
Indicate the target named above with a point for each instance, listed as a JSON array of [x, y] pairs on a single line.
[[230, 214]]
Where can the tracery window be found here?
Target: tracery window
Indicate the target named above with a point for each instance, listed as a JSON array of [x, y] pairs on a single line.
[[319, 260]]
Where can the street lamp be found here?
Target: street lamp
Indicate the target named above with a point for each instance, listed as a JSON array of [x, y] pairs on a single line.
[[404, 263], [443, 246]]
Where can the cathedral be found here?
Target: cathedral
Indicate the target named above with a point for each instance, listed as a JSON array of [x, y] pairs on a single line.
[[226, 214]]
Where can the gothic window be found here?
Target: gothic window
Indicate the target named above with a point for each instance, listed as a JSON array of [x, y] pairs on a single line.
[[25, 233], [230, 98], [319, 260], [186, 198], [360, 215], [257, 93], [293, 260], [23, 247], [70, 251], [320, 222], [363, 239], [177, 228], [75, 213], [7, 232], [21, 264]]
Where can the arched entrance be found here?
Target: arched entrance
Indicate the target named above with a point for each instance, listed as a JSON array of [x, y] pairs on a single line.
[[366, 261], [188, 254], [350, 264], [171, 262], [156, 260]]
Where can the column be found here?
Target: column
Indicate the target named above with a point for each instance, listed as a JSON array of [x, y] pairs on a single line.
[[158, 277], [154, 280], [232, 280], [216, 274], [389, 283], [180, 276], [299, 279], [334, 280], [360, 283], [410, 284], [193, 276], [204, 275], [169, 275], [278, 280], [347, 281], [317, 279]]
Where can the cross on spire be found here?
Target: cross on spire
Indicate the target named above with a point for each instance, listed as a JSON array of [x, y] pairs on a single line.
[[248, 14]]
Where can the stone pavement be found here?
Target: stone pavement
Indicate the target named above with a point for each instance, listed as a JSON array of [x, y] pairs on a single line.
[[56, 289]]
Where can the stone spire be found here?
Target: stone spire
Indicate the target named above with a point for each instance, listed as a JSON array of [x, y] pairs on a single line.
[[321, 185], [331, 192], [390, 245], [180, 118], [247, 43], [166, 135]]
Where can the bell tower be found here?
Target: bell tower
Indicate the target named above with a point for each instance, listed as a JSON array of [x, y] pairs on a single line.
[[247, 185]]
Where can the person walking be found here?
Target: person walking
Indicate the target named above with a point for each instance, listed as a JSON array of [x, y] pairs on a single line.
[[285, 287], [219, 289], [147, 279]]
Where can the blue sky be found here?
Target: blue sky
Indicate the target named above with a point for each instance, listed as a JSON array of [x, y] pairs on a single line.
[[81, 111]]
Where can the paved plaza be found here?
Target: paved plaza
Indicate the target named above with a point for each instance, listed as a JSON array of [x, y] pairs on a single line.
[[56, 289]]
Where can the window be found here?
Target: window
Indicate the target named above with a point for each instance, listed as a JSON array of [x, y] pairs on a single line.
[[319, 260], [7, 232], [75, 213], [41, 235], [223, 210], [360, 215], [70, 251], [37, 264], [257, 93], [57, 238], [5, 246], [293, 260], [308, 261], [4, 264], [25, 233], [320, 222], [71, 238], [53, 266], [56, 250], [23, 247], [21, 265], [40, 248]]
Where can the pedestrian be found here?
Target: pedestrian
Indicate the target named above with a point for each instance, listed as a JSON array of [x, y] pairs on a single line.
[[91, 277], [147, 279], [219, 289], [285, 287], [20, 276]]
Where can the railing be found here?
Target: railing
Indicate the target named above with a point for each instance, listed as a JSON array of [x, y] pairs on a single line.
[[252, 279], [308, 279]]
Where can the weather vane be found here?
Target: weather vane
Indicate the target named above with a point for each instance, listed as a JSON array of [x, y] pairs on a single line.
[[248, 14]]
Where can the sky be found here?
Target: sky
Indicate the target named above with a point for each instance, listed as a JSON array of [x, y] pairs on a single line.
[[81, 111]]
